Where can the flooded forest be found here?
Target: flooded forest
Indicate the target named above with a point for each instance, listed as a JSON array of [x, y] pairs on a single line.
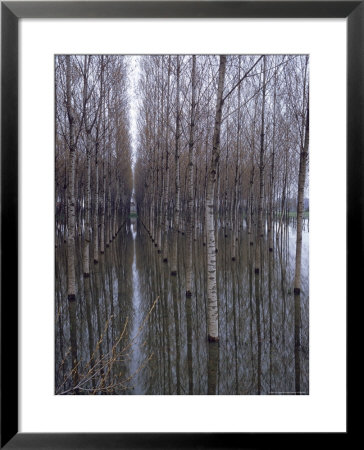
[[181, 225]]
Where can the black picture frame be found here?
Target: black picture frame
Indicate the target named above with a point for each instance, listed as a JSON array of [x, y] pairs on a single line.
[[11, 12]]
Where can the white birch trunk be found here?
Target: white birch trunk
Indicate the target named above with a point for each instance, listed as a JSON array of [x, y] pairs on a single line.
[[212, 305], [71, 274], [300, 208]]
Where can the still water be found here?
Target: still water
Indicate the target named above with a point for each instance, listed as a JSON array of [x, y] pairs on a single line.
[[137, 333]]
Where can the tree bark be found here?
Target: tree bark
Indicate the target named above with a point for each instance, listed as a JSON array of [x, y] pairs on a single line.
[[261, 181], [178, 184], [166, 180], [190, 182], [71, 274], [300, 207], [212, 305]]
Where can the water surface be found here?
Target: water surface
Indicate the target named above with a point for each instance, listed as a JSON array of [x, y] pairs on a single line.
[[139, 334]]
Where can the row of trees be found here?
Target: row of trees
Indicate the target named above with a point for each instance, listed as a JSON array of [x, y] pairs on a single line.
[[222, 145], [93, 162], [223, 140]]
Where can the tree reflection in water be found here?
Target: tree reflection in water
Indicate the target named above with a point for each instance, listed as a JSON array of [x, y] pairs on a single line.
[[138, 333]]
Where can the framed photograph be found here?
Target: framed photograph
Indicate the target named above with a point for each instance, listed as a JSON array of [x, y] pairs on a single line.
[[179, 221]]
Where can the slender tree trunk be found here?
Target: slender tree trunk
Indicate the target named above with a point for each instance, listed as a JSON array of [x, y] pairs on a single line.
[[166, 180], [190, 182], [160, 174], [284, 189], [96, 212], [178, 184], [108, 200], [297, 279], [87, 233], [235, 221], [103, 202], [250, 204], [271, 190], [261, 183], [71, 274], [300, 207], [212, 305], [225, 214], [87, 239], [259, 332]]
